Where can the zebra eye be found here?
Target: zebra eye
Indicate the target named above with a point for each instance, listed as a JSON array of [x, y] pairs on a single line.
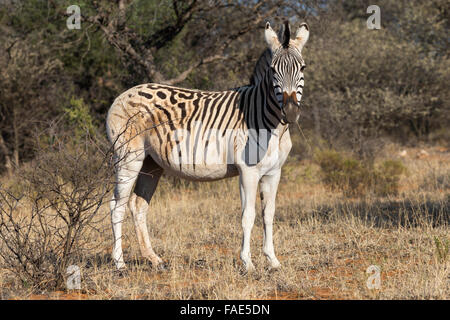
[[302, 68]]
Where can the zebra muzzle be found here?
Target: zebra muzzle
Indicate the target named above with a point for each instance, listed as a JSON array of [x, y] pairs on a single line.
[[291, 108]]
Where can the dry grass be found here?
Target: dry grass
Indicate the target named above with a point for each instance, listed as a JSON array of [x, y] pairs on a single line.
[[324, 241]]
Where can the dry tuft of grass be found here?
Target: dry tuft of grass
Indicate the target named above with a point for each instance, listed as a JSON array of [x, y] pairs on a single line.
[[324, 240]]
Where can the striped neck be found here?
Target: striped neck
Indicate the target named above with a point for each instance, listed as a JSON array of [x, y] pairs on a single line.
[[260, 105]]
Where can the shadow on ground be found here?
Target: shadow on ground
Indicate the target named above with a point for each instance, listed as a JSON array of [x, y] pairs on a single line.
[[382, 213]]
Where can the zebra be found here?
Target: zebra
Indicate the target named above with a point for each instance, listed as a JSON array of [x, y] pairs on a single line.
[[156, 128]]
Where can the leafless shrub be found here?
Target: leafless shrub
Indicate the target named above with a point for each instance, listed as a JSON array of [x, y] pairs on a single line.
[[45, 217]]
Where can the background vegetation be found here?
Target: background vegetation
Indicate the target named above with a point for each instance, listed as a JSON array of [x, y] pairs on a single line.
[[368, 179], [361, 84]]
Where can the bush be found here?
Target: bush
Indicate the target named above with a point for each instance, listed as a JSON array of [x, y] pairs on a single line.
[[355, 177], [370, 83], [387, 177], [78, 115], [44, 222]]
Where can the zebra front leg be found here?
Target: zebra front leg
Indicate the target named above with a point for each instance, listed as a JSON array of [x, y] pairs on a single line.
[[268, 191], [248, 183]]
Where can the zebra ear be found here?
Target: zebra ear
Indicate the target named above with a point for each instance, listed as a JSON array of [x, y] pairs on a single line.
[[271, 38], [301, 36]]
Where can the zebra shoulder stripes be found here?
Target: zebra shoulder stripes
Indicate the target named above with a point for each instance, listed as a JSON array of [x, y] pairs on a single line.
[[205, 135]]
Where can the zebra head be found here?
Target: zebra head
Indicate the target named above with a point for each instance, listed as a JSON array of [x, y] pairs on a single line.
[[287, 67]]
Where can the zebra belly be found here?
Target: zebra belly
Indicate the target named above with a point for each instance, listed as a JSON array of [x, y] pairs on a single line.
[[203, 161], [199, 164], [203, 172]]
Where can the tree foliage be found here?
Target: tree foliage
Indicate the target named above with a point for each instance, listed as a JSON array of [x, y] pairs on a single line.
[[360, 83]]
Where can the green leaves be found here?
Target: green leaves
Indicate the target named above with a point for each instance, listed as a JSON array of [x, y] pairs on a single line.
[[78, 115]]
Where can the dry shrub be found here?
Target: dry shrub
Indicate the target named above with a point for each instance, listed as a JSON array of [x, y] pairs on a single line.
[[442, 249], [387, 176], [356, 177], [436, 179], [45, 218]]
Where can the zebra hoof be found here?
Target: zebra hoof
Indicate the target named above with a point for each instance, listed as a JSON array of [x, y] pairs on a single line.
[[158, 264], [162, 266], [120, 264], [248, 268], [275, 265]]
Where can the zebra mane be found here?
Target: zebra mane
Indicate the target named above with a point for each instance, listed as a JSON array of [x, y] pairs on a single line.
[[263, 63]]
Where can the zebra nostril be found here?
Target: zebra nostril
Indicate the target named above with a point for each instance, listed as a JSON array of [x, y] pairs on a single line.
[[290, 98], [293, 97], [285, 97]]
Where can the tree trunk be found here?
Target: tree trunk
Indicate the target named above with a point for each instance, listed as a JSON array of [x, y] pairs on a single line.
[[5, 151], [16, 140]]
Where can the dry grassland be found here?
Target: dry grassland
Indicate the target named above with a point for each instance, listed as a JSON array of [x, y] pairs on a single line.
[[324, 241]]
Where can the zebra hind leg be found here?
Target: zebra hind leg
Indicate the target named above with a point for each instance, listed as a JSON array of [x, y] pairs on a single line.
[[126, 173], [146, 184]]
